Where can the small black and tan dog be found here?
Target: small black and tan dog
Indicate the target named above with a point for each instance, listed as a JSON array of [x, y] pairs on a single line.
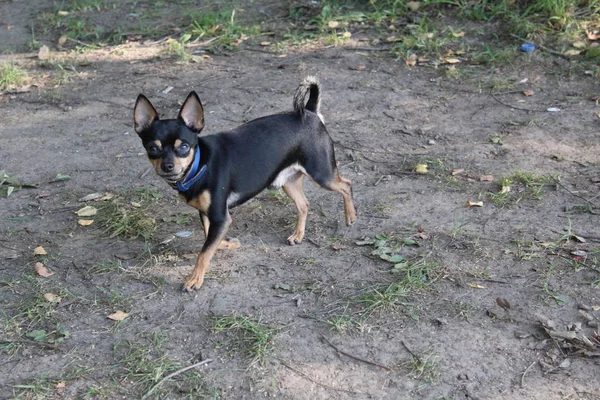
[[217, 172]]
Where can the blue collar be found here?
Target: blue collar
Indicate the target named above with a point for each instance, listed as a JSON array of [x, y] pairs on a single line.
[[193, 175]]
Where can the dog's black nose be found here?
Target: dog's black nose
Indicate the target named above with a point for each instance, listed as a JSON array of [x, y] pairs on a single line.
[[167, 167]]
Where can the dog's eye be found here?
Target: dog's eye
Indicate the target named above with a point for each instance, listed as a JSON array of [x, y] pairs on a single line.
[[153, 149], [184, 147]]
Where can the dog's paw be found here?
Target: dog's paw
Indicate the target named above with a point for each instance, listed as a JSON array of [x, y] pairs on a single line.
[[350, 219], [193, 283], [229, 244], [296, 238]]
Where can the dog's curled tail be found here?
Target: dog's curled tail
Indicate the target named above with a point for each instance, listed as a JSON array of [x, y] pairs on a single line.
[[308, 87]]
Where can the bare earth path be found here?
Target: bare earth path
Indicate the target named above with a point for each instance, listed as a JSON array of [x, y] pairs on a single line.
[[385, 119]]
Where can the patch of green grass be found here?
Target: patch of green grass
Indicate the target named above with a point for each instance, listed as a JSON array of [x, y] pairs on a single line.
[[521, 185], [250, 336], [143, 361], [129, 215], [424, 367], [11, 75], [220, 29]]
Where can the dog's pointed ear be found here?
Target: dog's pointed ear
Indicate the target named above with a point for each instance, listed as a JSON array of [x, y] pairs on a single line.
[[192, 113], [143, 114]]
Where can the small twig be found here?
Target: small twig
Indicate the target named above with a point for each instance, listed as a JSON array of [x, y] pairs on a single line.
[[557, 182], [354, 357], [182, 370], [513, 107], [31, 342], [302, 374], [411, 352], [525, 373]]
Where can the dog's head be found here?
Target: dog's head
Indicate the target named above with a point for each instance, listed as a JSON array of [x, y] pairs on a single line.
[[170, 143]]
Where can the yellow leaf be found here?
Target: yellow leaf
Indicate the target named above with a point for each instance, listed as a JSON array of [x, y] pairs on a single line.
[[475, 285], [136, 204], [63, 13], [87, 211], [451, 60], [413, 5], [411, 60], [474, 203], [42, 271], [579, 45], [333, 24], [505, 189], [118, 316], [62, 40], [52, 298], [85, 222], [458, 34], [421, 169], [39, 251], [572, 52], [347, 35], [265, 43]]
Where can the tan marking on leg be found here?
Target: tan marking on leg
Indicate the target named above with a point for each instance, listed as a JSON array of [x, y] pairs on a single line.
[[196, 279], [201, 202], [344, 187], [225, 244], [295, 190]]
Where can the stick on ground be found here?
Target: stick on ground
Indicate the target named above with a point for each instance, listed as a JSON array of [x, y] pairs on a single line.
[[166, 378]]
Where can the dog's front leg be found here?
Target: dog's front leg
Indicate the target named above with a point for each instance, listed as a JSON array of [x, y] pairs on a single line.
[[225, 244], [216, 232]]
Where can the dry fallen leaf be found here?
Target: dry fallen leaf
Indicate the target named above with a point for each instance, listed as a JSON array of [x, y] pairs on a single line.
[[579, 45], [39, 251], [573, 52], [62, 40], [87, 211], [486, 178], [502, 302], [61, 385], [528, 92], [458, 34], [265, 43], [52, 298], [413, 5], [118, 316], [595, 35], [136, 204], [505, 189], [42, 271], [451, 60], [347, 35], [421, 169], [85, 222], [475, 285], [457, 171], [333, 24], [474, 203], [44, 53], [411, 60]]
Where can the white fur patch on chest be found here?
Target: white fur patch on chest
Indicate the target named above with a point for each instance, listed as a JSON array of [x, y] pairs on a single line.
[[287, 174]]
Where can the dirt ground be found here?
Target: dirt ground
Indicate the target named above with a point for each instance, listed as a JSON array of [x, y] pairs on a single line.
[[453, 337]]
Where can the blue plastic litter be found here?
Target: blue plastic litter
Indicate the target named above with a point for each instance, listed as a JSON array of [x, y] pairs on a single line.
[[527, 47]]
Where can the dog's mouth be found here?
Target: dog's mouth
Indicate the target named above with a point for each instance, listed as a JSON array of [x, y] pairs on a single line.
[[172, 177]]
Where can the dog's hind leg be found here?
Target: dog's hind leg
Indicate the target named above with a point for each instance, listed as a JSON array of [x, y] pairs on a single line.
[[295, 190], [344, 187]]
